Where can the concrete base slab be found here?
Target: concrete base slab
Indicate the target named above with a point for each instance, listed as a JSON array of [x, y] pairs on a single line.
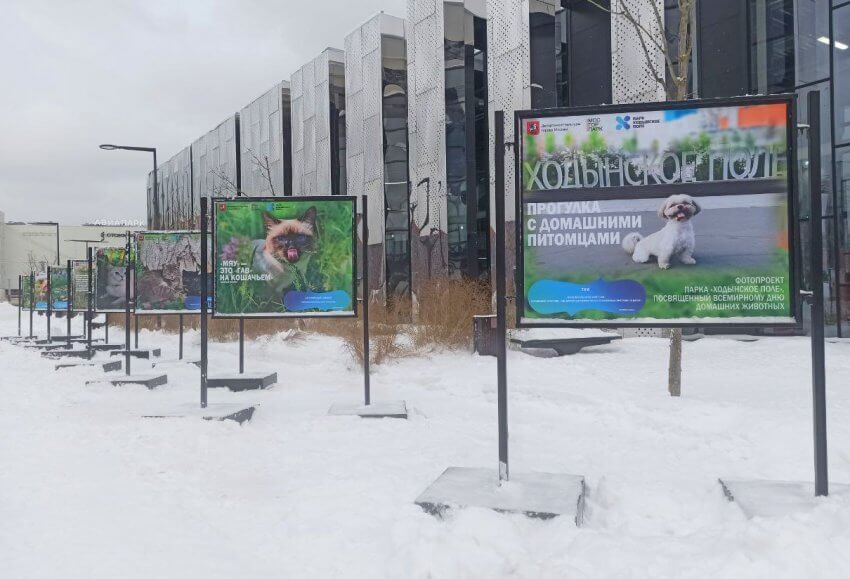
[[240, 413], [106, 347], [150, 381], [64, 338], [85, 354], [143, 354], [240, 382], [173, 363], [388, 409], [111, 366], [763, 498], [537, 495], [44, 347]]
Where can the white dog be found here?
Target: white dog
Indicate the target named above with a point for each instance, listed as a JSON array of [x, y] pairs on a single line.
[[676, 238]]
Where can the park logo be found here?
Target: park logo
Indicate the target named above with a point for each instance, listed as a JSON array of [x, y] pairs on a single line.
[[533, 128], [624, 123]]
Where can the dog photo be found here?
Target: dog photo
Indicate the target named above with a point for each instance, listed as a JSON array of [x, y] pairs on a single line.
[[675, 241]]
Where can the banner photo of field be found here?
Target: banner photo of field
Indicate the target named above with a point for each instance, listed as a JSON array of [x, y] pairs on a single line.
[[80, 285], [41, 296], [58, 288], [110, 265], [667, 215], [284, 258], [26, 294], [168, 272]]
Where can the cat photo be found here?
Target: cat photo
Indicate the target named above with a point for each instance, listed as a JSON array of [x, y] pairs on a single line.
[[287, 248], [114, 287]]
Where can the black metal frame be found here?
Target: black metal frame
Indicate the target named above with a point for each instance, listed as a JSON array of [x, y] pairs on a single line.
[[350, 198], [32, 299], [791, 189], [20, 301], [68, 306]]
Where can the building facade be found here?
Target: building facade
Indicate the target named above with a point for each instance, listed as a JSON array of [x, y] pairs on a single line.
[[318, 126], [449, 139], [464, 59], [265, 145], [376, 145]]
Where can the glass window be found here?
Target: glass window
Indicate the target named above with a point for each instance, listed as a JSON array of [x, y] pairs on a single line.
[[812, 28], [337, 123], [841, 73], [842, 168], [396, 198], [542, 45], [771, 38]]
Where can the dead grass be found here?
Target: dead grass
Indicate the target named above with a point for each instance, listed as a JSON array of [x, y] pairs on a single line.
[[441, 319]]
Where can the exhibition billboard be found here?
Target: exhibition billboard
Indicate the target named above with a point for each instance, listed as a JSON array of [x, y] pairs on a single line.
[[41, 296], [292, 257], [58, 288], [110, 274], [663, 214], [80, 285], [26, 293], [168, 272]]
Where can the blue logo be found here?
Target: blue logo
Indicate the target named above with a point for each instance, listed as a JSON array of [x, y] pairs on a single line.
[[623, 123], [269, 206]]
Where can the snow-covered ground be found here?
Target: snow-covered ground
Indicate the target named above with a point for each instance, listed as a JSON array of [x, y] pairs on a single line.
[[88, 489]]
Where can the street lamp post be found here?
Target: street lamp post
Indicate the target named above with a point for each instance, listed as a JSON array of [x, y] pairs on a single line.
[[109, 147]]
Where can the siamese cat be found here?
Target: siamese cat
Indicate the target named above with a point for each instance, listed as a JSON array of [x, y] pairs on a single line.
[[287, 248]]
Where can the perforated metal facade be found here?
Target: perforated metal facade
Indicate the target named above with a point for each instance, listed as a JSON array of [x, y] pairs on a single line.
[[634, 70], [316, 112], [215, 162], [376, 144], [264, 127]]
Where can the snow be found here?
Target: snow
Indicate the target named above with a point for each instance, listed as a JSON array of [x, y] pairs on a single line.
[[89, 489]]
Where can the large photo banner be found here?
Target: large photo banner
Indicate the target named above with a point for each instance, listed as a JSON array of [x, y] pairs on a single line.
[[168, 272], [41, 295], [58, 288], [279, 258], [110, 269], [80, 285], [663, 214], [27, 302]]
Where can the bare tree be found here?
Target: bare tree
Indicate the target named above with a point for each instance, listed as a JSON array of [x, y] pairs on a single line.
[[224, 184], [263, 165], [676, 50]]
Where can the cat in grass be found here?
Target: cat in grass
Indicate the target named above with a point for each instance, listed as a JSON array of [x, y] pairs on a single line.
[[287, 248], [114, 288]]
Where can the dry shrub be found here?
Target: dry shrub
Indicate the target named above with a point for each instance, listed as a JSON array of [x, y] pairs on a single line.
[[442, 319], [445, 310], [388, 325]]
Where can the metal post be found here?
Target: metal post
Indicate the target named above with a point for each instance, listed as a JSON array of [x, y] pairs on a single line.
[[204, 275], [241, 345], [68, 308], [135, 328], [20, 301], [501, 354], [817, 315], [49, 304], [127, 305], [89, 304], [32, 299], [367, 387], [180, 349]]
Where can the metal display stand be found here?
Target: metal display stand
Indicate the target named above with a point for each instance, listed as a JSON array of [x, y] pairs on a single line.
[[758, 498], [539, 495], [384, 409]]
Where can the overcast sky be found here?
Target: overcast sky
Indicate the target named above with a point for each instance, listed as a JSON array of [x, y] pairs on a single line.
[[149, 73]]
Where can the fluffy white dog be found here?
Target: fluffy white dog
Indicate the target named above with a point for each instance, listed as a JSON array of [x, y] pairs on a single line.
[[676, 238]]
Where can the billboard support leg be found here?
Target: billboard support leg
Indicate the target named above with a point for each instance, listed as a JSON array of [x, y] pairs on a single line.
[[68, 308], [136, 330], [127, 355], [501, 331], [180, 343], [241, 345], [49, 305], [20, 301], [367, 394], [32, 299], [89, 308], [817, 306], [204, 280]]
